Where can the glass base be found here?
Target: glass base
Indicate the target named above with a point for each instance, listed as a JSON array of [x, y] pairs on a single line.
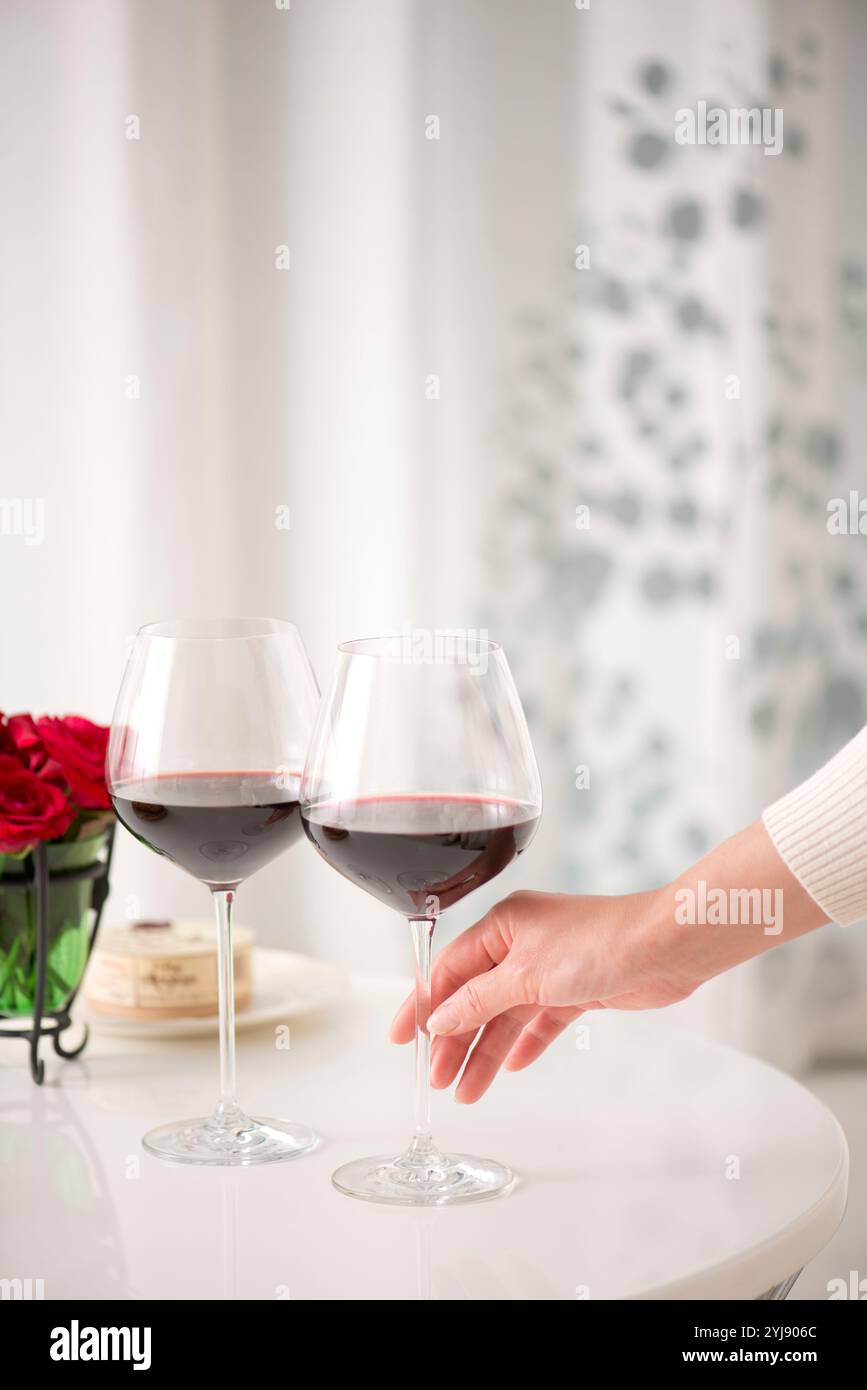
[[218, 1142], [423, 1179]]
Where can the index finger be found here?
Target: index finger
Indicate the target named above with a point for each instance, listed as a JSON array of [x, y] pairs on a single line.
[[474, 951]]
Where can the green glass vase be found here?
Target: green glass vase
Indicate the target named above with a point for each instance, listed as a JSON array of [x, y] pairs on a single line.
[[69, 904]]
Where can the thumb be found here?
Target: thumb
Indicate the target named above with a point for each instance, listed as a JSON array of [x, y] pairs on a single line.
[[476, 1002]]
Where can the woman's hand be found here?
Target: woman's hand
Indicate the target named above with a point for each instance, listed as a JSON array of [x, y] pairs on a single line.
[[536, 961], [530, 967]]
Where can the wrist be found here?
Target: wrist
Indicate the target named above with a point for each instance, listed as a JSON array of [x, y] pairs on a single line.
[[665, 948]]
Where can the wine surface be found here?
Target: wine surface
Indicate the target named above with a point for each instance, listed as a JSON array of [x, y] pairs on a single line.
[[421, 853], [219, 826]]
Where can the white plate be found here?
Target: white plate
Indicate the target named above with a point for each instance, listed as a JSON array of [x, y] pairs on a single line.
[[285, 986]]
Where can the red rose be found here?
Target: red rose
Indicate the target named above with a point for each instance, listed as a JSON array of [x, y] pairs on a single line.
[[31, 809], [26, 740], [26, 743], [7, 742], [79, 747]]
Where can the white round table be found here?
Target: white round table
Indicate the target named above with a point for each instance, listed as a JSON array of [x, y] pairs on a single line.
[[652, 1165]]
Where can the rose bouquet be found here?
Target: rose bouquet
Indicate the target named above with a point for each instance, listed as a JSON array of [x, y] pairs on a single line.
[[52, 792]]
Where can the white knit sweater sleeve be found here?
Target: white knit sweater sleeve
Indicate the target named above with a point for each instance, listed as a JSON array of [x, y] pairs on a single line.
[[820, 830]]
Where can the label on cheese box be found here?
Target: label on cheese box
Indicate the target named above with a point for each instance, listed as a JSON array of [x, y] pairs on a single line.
[[135, 982]]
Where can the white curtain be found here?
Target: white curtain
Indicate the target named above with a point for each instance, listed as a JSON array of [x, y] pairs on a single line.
[[432, 387]]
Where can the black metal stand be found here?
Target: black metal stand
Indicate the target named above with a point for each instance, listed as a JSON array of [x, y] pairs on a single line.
[[54, 1022]]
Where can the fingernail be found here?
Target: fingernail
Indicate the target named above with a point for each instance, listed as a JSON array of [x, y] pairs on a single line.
[[445, 1019]]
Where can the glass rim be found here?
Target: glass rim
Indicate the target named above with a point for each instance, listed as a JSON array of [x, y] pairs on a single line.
[[366, 646], [184, 629]]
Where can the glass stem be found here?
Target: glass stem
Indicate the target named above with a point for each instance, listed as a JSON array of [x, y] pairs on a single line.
[[228, 1109], [422, 935]]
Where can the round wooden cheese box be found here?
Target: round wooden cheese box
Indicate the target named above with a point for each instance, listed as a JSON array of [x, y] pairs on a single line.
[[157, 970]]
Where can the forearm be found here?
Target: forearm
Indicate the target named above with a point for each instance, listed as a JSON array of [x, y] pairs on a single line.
[[737, 902]]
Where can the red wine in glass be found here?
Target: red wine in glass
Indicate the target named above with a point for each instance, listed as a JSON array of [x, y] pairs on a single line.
[[420, 786], [412, 850], [211, 715], [219, 826]]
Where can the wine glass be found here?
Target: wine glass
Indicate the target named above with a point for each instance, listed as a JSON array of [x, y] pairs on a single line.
[[204, 760], [421, 785]]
